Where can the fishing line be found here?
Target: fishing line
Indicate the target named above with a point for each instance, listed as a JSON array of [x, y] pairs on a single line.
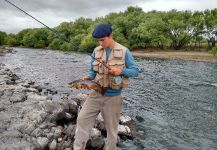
[[56, 33]]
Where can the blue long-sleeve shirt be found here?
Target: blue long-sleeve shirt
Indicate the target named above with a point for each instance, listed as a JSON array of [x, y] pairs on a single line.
[[131, 70]]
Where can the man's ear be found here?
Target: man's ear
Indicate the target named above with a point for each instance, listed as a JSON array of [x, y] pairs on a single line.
[[111, 34]]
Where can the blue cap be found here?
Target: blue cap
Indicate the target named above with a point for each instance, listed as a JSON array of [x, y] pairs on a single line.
[[102, 30]]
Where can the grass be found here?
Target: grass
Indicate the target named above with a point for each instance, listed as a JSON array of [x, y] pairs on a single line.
[[183, 55]]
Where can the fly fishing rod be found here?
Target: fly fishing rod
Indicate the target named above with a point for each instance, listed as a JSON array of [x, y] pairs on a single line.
[[56, 33]]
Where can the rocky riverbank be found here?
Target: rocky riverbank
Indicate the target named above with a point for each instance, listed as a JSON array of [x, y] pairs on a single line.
[[5, 50], [182, 55], [30, 120]]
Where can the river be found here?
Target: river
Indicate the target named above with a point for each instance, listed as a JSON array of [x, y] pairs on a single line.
[[173, 101]]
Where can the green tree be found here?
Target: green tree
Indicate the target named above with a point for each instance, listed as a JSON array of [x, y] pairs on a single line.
[[210, 20], [66, 46], [55, 44], [76, 41], [156, 30], [36, 38], [11, 40], [197, 28], [20, 35], [178, 26], [141, 36], [88, 44], [3, 35]]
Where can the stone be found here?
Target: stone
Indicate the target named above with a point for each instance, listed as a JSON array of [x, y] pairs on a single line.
[[42, 142], [57, 133], [53, 145], [124, 130], [80, 98], [125, 119], [96, 139], [70, 130]]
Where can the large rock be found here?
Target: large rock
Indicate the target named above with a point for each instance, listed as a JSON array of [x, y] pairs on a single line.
[[29, 120]]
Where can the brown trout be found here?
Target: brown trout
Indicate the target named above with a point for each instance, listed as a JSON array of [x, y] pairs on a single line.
[[87, 84]]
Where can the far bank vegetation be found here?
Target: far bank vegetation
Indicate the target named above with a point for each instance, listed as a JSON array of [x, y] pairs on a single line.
[[134, 28]]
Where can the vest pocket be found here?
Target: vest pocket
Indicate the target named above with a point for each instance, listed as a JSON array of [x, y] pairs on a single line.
[[99, 79], [118, 53], [118, 64], [96, 66], [125, 82], [105, 70]]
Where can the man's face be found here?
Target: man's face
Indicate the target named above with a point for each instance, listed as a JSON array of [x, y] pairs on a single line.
[[104, 42]]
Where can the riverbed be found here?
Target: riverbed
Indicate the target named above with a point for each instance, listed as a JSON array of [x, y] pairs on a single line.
[[173, 101]]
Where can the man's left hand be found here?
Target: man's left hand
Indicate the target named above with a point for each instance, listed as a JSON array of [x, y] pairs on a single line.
[[115, 71]]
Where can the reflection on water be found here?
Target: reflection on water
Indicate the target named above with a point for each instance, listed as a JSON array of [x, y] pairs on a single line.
[[174, 101]]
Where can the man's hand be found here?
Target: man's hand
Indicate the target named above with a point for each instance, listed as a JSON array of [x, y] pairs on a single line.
[[115, 71], [86, 78]]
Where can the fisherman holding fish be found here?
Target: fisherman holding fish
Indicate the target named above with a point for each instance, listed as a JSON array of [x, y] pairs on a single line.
[[111, 66]]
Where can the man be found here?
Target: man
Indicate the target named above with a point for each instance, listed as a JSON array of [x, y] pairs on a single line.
[[113, 78]]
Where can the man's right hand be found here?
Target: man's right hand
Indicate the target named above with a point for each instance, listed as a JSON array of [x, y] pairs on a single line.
[[86, 78]]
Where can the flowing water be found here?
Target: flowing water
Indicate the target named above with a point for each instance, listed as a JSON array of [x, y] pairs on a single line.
[[173, 101]]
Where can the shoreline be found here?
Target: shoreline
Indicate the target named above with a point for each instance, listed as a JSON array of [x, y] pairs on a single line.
[[178, 55], [32, 120]]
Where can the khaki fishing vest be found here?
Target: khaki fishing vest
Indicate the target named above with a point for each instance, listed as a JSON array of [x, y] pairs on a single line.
[[116, 59]]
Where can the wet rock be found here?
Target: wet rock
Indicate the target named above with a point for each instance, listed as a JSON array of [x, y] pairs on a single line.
[[125, 119], [36, 97], [139, 118], [18, 97], [57, 133], [70, 130], [38, 87], [96, 140], [50, 136], [80, 99], [68, 116], [53, 145], [100, 123], [60, 140], [73, 107], [30, 128], [124, 130], [33, 121], [42, 142], [37, 132]]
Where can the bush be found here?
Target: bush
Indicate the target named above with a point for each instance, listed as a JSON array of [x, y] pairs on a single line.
[[214, 50], [88, 44], [66, 46], [3, 35], [55, 44]]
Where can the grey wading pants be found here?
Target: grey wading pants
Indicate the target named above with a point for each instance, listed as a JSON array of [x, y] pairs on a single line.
[[110, 107]]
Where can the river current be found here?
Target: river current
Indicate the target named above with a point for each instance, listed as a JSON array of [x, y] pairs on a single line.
[[173, 101]]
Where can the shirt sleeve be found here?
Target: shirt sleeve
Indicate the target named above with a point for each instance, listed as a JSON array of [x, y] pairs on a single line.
[[92, 73], [131, 69]]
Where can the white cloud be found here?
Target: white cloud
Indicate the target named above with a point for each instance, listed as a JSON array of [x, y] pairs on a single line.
[[166, 5], [53, 12]]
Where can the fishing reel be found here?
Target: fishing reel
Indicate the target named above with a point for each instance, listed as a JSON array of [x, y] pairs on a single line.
[[117, 80]]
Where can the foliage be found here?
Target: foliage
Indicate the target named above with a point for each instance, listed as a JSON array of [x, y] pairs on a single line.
[[66, 46], [214, 50], [11, 40], [55, 44], [88, 44], [133, 28], [2, 38], [36, 38]]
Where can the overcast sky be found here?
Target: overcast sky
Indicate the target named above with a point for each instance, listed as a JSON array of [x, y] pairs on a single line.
[[53, 12]]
